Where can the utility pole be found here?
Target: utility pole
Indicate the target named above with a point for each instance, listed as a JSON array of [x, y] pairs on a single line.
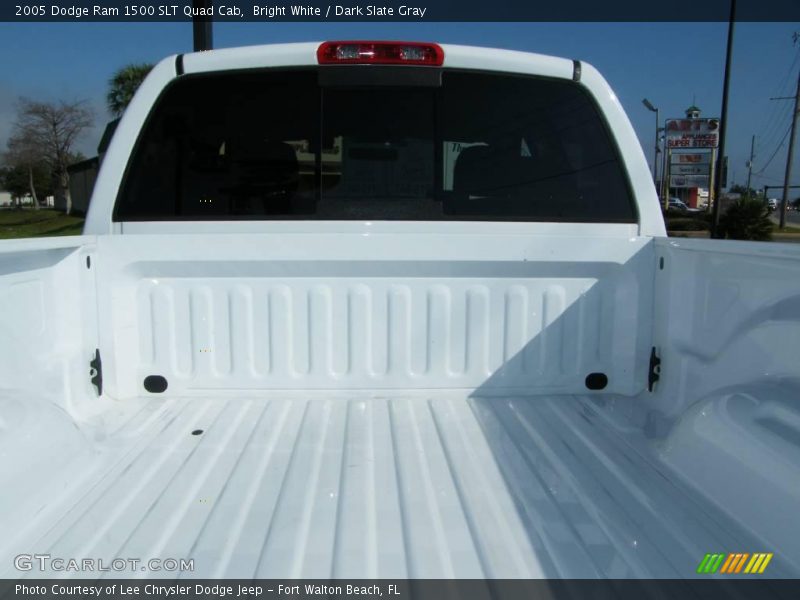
[[649, 106], [723, 123], [655, 154], [790, 156], [202, 33], [663, 190], [712, 178], [750, 162]]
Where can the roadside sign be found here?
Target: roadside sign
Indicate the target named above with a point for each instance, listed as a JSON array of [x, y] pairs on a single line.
[[696, 158], [692, 133], [688, 181], [689, 169]]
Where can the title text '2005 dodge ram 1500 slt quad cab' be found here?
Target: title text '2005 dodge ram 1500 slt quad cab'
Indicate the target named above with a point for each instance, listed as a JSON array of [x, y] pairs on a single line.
[[383, 310]]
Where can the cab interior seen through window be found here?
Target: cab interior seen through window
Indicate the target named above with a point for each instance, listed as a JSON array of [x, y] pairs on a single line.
[[277, 145]]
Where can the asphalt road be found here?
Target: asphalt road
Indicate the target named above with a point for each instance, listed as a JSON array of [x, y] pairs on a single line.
[[792, 217]]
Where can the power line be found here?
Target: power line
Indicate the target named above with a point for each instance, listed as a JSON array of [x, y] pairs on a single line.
[[786, 79], [771, 131], [783, 141], [767, 138], [766, 142], [790, 152], [775, 114], [772, 122], [779, 114], [766, 178]]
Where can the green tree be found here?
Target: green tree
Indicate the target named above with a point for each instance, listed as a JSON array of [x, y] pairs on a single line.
[[14, 180], [21, 180], [746, 219], [123, 85]]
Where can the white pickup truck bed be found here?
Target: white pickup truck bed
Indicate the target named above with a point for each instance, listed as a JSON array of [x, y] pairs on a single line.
[[418, 336], [415, 484], [462, 444]]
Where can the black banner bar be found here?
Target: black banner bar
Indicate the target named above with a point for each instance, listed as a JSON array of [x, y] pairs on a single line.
[[401, 589], [407, 10]]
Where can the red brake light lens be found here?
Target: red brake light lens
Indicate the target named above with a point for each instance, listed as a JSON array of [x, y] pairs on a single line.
[[380, 53]]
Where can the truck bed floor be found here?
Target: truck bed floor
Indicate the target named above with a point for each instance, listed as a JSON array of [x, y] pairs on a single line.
[[417, 485]]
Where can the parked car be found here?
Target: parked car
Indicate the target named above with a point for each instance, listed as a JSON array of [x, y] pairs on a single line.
[[307, 333], [681, 207]]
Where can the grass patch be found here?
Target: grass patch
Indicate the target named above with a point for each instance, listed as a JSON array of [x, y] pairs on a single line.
[[787, 229], [37, 223]]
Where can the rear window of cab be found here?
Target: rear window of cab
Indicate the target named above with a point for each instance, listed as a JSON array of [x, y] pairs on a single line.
[[278, 145]]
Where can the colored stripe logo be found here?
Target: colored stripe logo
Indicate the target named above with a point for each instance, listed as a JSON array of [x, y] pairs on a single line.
[[735, 562]]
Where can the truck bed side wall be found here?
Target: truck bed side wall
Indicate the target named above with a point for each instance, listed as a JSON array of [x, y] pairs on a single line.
[[47, 317], [726, 413]]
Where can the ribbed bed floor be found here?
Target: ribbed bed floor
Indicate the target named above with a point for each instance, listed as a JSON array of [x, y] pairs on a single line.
[[436, 485]]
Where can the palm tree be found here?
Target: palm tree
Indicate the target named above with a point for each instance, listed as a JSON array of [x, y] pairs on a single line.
[[123, 85], [747, 219]]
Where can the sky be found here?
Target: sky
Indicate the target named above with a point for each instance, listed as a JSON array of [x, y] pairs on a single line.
[[671, 64]]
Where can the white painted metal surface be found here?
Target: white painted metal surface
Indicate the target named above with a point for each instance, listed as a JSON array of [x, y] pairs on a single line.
[[487, 480], [399, 485], [48, 328], [398, 399], [650, 220], [109, 178], [729, 340], [212, 312]]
